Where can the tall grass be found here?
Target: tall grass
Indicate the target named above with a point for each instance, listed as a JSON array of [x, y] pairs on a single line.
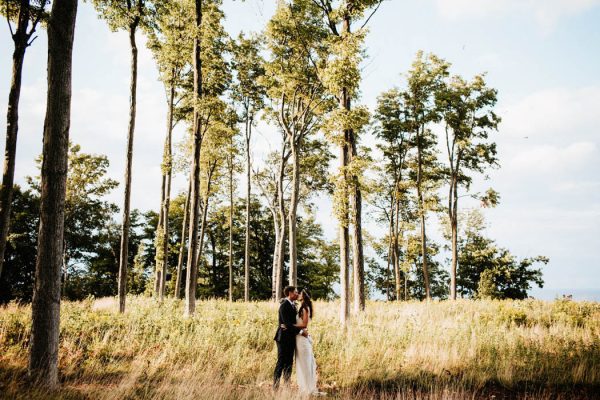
[[411, 350]]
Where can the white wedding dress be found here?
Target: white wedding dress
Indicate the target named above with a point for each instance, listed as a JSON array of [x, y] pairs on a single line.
[[306, 367]]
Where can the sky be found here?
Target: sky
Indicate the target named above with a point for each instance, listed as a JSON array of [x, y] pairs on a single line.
[[541, 55]]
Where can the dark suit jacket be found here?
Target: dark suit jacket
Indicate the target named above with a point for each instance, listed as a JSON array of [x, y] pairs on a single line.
[[287, 317]]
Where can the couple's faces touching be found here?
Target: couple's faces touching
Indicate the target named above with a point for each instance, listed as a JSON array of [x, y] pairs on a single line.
[[295, 295]]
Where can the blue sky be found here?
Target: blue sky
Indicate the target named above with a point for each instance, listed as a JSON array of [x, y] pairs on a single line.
[[541, 55]]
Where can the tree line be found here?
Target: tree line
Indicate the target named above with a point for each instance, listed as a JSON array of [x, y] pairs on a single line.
[[302, 75]]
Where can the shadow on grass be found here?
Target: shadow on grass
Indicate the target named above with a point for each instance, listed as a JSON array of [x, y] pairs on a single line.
[[431, 386]]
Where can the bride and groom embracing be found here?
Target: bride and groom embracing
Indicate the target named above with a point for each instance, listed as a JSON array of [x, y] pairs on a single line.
[[292, 337]]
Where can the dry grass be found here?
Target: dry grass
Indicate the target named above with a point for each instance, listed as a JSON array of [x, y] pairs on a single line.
[[460, 350]]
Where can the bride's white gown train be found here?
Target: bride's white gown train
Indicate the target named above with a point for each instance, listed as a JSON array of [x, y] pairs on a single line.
[[306, 366]]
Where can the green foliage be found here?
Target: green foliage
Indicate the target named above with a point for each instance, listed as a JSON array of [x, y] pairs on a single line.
[[92, 238], [125, 14], [488, 271], [16, 282]]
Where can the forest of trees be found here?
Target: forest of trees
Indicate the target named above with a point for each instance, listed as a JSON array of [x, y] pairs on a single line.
[[244, 229]]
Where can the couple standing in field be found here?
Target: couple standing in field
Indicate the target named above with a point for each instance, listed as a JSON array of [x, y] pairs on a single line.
[[292, 337]]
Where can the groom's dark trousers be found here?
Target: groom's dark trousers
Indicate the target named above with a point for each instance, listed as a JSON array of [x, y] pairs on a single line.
[[286, 342]]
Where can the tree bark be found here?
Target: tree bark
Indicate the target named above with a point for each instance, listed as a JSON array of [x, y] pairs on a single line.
[[192, 271], [358, 260], [45, 308], [167, 165], [280, 250], [186, 208], [124, 254], [344, 231], [204, 211], [230, 261], [20, 39], [396, 250], [422, 212], [277, 228], [248, 193], [292, 213], [454, 227], [158, 243]]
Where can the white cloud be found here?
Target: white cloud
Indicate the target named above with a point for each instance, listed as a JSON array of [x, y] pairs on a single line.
[[546, 13], [566, 113], [548, 158]]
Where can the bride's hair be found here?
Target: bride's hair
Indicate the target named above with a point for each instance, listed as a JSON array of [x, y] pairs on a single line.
[[306, 303]]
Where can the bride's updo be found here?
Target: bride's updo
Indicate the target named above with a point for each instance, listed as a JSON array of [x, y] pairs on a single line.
[[306, 303]]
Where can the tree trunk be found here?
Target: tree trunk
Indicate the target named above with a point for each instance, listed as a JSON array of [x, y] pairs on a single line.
[[422, 212], [159, 238], [292, 221], [45, 307], [358, 260], [248, 193], [186, 209], [123, 260], [344, 231], [280, 250], [167, 169], [12, 126], [390, 253], [396, 251], [230, 261], [454, 226], [204, 214], [276, 226], [192, 272]]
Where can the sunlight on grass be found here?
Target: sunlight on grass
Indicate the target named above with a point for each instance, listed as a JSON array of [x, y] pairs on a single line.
[[227, 351]]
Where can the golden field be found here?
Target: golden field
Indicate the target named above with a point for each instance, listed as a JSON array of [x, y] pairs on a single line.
[[439, 350]]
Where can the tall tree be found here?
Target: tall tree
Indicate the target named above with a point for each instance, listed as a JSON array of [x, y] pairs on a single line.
[[26, 14], [168, 40], [342, 78], [184, 225], [128, 15], [212, 77], [424, 79], [191, 269], [392, 130], [295, 39], [45, 307], [249, 93], [467, 111]]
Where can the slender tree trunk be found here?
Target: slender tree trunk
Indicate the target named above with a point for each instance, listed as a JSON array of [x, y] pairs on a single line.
[[230, 261], [123, 260], [280, 250], [358, 260], [248, 193], [159, 238], [204, 214], [45, 307], [422, 217], [396, 250], [12, 126], [390, 254], [277, 228], [182, 246], [167, 170], [192, 272], [344, 231], [292, 220], [454, 226]]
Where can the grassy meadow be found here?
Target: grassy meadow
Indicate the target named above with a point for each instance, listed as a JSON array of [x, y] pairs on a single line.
[[441, 350]]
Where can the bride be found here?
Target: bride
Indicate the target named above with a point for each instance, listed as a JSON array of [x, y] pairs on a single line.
[[306, 367]]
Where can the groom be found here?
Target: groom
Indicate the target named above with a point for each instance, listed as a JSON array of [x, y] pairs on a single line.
[[286, 336]]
